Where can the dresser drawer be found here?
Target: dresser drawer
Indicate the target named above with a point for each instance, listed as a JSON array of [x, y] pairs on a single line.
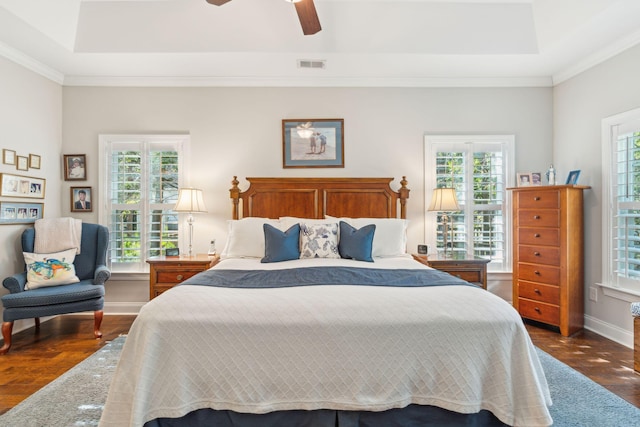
[[539, 292], [539, 199], [539, 218], [174, 277], [539, 273], [547, 255], [539, 236], [469, 276], [536, 310]]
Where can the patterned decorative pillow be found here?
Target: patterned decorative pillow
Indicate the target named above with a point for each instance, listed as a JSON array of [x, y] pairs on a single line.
[[50, 269], [319, 240]]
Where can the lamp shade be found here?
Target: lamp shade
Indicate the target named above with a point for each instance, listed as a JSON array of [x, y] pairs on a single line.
[[190, 200], [444, 200]]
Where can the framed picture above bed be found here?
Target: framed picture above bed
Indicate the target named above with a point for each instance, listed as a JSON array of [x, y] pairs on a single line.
[[313, 143]]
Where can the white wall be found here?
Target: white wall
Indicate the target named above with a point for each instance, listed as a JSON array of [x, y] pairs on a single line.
[[31, 123], [579, 105], [237, 131]]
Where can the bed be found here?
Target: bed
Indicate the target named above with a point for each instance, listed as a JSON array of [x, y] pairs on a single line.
[[351, 334]]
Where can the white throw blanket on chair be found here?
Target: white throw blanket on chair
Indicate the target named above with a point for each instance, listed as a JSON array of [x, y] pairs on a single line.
[[57, 234]]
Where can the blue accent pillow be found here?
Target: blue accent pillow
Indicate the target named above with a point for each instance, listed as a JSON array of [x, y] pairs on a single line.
[[356, 243], [281, 245]]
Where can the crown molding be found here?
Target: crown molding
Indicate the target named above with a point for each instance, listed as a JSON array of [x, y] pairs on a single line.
[[31, 64]]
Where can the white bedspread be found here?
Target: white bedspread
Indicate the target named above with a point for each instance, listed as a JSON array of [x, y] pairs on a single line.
[[338, 347]]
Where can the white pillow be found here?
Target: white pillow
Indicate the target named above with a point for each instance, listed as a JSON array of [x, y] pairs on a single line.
[[288, 221], [246, 237], [390, 238], [319, 240], [50, 269]]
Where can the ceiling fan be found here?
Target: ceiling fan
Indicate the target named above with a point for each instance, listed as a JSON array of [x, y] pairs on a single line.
[[306, 13]]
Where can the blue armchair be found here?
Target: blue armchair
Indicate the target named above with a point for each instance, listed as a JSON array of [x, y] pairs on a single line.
[[86, 295]]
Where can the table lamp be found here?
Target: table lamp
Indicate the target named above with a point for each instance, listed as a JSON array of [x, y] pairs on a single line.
[[190, 200], [444, 200]]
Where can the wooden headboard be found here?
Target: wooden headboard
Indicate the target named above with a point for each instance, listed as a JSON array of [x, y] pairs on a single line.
[[317, 197]]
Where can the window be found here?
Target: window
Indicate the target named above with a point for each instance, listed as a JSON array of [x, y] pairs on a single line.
[[139, 178], [479, 168], [621, 210]]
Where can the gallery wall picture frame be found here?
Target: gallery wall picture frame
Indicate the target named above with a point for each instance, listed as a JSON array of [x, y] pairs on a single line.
[[22, 163], [75, 167], [22, 186], [8, 157], [524, 179], [81, 199], [313, 143], [20, 212], [34, 161], [572, 178]]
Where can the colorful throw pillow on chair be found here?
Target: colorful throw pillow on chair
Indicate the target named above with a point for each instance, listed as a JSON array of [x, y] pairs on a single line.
[[50, 269]]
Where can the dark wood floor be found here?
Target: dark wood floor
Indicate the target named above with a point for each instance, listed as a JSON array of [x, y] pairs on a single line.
[[35, 359]]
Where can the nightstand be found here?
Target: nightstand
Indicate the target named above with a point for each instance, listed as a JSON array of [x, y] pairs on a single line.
[[471, 269], [168, 271]]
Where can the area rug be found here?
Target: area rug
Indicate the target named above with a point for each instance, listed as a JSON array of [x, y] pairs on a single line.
[[77, 397]]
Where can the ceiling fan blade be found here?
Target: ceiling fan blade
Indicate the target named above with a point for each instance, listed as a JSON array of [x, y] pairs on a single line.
[[308, 17], [218, 2]]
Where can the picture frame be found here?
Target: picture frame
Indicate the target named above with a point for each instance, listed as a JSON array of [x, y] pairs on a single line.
[[20, 212], [75, 167], [536, 178], [8, 157], [313, 143], [34, 161], [22, 163], [22, 186], [524, 179], [572, 178], [81, 199]]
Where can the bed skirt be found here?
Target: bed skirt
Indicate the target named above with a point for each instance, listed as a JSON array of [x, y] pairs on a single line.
[[411, 416]]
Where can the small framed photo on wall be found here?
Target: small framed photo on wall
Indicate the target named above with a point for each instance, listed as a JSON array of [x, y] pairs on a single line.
[[81, 199], [34, 161], [8, 157], [75, 167], [23, 163]]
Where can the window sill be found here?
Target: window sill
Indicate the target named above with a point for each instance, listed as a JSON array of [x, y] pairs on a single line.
[[623, 294]]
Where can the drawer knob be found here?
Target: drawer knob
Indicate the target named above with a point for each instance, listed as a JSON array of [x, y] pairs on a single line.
[[536, 217], [537, 309], [537, 291], [536, 198], [536, 235], [179, 277], [536, 272], [536, 253]]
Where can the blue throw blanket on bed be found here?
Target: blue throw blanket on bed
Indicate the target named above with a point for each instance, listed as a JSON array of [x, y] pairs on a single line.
[[323, 276]]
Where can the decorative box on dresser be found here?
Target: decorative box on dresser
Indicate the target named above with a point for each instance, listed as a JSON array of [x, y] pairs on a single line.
[[548, 255], [167, 271]]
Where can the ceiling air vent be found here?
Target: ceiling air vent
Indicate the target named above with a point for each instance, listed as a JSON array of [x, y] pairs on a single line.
[[319, 64]]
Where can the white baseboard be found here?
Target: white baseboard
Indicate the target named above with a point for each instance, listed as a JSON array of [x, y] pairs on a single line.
[[607, 330], [123, 307]]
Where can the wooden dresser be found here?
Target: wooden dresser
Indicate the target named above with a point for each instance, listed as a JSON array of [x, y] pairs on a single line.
[[168, 271], [548, 253]]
